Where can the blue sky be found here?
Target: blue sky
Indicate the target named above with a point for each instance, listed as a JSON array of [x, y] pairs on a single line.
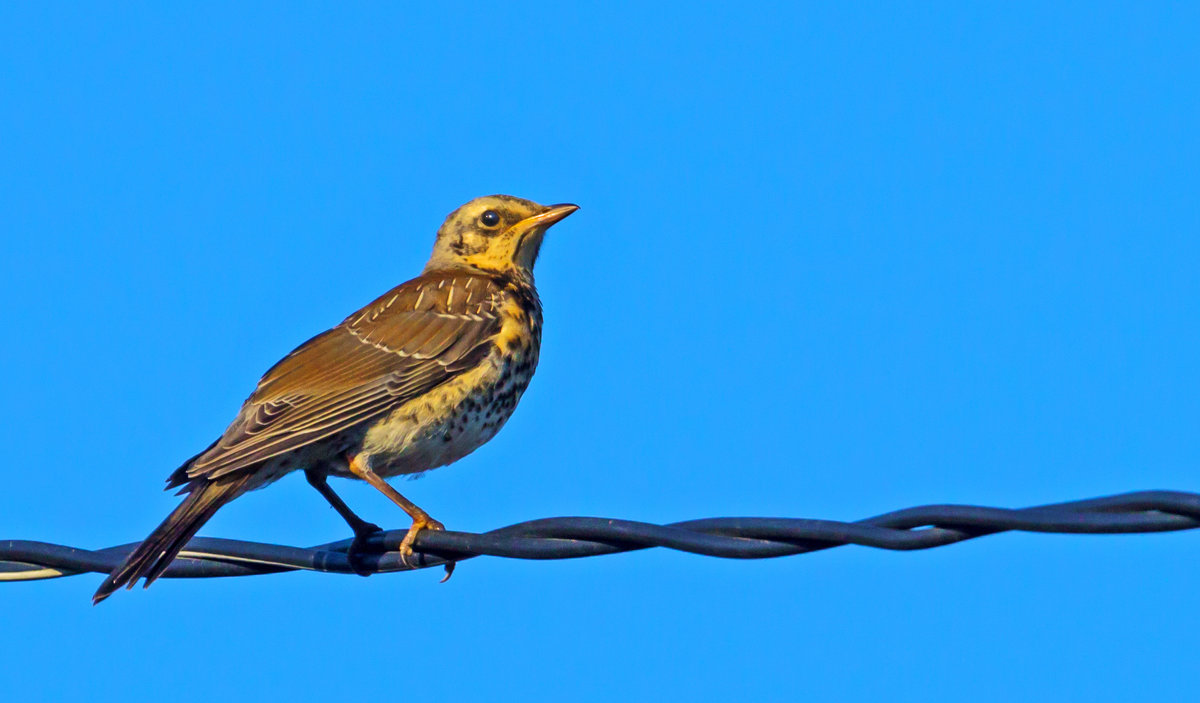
[[833, 259]]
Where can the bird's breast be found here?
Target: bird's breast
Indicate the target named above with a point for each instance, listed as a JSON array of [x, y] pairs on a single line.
[[457, 417]]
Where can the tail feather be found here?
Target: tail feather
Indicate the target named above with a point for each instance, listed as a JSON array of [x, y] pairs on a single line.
[[156, 552]]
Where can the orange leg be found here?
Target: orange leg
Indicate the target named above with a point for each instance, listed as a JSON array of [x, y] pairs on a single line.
[[421, 519]]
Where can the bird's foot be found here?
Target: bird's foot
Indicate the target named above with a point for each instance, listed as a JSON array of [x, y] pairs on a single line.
[[362, 533], [421, 522]]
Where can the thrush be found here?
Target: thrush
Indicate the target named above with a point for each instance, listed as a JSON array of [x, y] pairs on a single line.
[[417, 379]]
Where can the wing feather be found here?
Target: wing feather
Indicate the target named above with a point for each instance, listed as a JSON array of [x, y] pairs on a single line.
[[403, 344]]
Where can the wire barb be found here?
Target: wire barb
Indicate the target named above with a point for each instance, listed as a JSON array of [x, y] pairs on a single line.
[[922, 527]]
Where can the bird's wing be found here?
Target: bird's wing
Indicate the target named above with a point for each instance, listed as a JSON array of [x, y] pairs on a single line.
[[403, 344]]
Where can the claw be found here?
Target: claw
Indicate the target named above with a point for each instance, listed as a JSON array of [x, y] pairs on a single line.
[[354, 555], [421, 523]]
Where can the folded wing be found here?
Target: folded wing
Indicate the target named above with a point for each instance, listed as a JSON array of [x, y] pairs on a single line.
[[410, 340]]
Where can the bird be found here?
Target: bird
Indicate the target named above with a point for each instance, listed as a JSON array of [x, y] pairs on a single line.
[[417, 379]]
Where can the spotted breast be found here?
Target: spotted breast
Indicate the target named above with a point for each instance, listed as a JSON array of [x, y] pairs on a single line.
[[456, 417]]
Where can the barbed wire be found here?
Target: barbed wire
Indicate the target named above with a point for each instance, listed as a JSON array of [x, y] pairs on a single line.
[[921, 527]]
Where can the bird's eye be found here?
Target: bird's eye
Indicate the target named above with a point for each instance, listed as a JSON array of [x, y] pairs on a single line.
[[489, 218]]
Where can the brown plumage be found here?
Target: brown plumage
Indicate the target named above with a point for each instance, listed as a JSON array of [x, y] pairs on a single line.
[[414, 380]]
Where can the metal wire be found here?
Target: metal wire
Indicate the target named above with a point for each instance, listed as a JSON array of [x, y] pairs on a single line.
[[567, 538]]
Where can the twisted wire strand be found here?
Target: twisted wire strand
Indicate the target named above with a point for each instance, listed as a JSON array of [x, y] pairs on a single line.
[[922, 527]]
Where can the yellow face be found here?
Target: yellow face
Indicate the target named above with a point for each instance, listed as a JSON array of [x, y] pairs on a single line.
[[497, 233]]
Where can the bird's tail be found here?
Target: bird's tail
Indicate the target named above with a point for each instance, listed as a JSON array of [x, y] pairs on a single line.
[[156, 552]]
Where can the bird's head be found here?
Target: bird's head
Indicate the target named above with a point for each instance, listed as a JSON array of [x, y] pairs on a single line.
[[495, 233]]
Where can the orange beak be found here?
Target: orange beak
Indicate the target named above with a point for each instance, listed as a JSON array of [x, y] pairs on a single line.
[[553, 214]]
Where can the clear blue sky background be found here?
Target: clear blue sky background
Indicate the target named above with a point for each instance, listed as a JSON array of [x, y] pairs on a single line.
[[832, 260]]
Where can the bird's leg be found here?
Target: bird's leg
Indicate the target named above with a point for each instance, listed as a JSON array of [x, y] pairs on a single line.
[[319, 481], [362, 529], [421, 519]]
